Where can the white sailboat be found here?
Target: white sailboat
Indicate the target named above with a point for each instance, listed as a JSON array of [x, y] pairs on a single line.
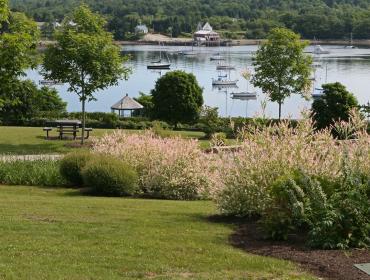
[[217, 56], [350, 46], [159, 64], [318, 49]]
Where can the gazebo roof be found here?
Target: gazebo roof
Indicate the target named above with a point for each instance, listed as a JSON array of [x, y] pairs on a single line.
[[127, 103]]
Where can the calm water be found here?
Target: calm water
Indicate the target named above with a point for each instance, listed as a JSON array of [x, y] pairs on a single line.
[[348, 66]]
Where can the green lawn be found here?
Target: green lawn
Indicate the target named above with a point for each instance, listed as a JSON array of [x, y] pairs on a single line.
[[59, 234], [31, 140]]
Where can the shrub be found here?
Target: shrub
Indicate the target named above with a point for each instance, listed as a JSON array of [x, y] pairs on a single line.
[[31, 173], [109, 176], [339, 220], [270, 152], [71, 166], [334, 105]]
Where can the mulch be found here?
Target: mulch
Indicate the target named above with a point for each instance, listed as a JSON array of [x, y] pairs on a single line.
[[328, 264]]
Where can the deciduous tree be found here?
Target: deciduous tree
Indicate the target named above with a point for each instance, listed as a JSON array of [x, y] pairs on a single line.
[[281, 66], [84, 56]]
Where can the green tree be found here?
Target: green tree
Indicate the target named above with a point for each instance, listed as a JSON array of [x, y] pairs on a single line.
[[27, 102], [18, 41], [335, 104], [84, 56], [210, 120], [177, 98], [147, 101], [281, 66]]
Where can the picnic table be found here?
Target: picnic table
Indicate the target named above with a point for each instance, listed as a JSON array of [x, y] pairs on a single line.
[[65, 127]]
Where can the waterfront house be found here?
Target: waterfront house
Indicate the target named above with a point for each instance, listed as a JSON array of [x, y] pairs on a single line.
[[206, 36], [141, 29]]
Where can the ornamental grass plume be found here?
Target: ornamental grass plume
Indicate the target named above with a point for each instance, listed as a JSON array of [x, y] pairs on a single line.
[[269, 152], [173, 168]]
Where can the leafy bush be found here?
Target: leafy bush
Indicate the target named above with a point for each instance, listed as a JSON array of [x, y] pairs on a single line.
[[334, 105], [32, 173], [109, 176], [340, 220], [71, 166]]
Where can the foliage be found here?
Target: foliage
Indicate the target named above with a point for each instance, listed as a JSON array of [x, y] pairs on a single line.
[[177, 98], [71, 166], [28, 102], [172, 168], [210, 120], [18, 41], [321, 19], [84, 56], [277, 150], [281, 66], [147, 102], [334, 105], [31, 173], [339, 220], [110, 176]]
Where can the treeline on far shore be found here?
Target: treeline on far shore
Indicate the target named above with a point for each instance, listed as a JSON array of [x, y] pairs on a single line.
[[238, 19]]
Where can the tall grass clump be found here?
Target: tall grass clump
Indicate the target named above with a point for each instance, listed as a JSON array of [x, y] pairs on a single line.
[[32, 173], [270, 152], [172, 168], [110, 176], [71, 166]]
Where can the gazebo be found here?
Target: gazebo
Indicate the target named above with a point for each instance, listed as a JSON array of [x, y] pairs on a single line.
[[126, 104]]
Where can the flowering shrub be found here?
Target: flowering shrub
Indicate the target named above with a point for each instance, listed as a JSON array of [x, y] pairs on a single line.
[[269, 152], [172, 168]]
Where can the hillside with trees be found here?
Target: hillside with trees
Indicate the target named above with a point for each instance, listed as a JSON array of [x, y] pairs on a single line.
[[321, 19]]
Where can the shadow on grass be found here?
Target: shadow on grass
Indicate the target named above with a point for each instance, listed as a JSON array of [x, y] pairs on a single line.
[[20, 149]]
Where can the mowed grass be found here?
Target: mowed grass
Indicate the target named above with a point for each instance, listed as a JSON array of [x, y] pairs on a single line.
[[59, 234], [31, 140]]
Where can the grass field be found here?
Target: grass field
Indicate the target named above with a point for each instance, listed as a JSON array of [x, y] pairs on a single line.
[[31, 140], [59, 234]]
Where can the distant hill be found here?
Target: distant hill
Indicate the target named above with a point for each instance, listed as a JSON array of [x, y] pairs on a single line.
[[323, 19]]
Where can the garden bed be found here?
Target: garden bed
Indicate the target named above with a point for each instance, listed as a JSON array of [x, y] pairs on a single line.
[[330, 264]]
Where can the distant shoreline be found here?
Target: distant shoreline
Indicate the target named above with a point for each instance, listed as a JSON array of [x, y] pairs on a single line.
[[241, 42]]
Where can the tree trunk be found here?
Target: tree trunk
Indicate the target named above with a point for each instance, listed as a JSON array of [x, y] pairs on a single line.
[[279, 110], [83, 119]]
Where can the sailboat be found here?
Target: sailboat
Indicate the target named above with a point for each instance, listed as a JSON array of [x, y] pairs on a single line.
[[217, 56], [159, 64], [350, 46], [318, 49], [189, 52], [222, 66], [223, 81]]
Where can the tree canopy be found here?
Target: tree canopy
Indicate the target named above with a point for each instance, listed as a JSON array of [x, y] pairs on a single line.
[[84, 56], [335, 104], [177, 98], [281, 66], [18, 41], [323, 19]]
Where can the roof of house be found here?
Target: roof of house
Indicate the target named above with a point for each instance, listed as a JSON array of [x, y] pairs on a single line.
[[127, 103], [207, 27]]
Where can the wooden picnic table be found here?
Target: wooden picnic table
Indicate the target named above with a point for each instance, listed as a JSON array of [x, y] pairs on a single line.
[[67, 127]]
